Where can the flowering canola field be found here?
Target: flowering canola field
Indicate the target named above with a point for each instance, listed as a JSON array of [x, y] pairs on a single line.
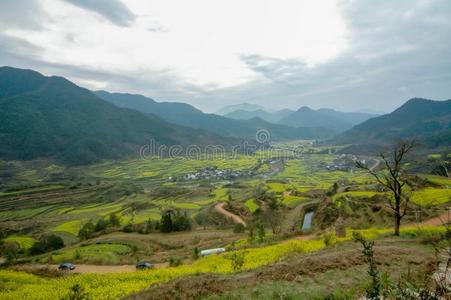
[[20, 285]]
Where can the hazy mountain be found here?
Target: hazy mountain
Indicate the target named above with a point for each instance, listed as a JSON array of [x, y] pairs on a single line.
[[272, 117], [324, 117], [186, 115], [426, 120], [172, 112], [243, 106], [353, 118], [307, 117], [53, 118]]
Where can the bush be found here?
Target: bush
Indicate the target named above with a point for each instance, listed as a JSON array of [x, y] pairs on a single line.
[[175, 262], [128, 228], [47, 243], [86, 231], [329, 238], [261, 232], [114, 220], [237, 260], [196, 253], [238, 228], [101, 225]]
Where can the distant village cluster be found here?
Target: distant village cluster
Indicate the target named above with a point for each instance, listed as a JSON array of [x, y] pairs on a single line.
[[343, 162], [216, 173]]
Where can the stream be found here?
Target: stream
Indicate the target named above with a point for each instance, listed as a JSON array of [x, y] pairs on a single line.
[[307, 224]]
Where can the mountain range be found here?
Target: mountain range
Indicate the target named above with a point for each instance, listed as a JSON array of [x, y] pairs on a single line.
[[51, 117], [242, 106], [272, 117], [303, 117], [425, 120], [186, 115]]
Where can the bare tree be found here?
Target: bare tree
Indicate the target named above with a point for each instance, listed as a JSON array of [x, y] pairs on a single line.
[[393, 179]]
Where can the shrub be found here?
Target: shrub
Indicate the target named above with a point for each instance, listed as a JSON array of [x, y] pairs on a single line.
[[47, 243], [77, 292], [238, 228], [195, 253], [237, 260], [115, 220], [128, 228], [175, 262], [374, 289], [101, 225], [329, 238], [86, 231], [261, 232]]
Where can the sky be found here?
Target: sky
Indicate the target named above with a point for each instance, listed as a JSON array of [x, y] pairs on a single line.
[[348, 55]]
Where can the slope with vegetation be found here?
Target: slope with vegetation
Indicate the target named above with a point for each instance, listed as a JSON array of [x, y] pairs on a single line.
[[428, 121], [50, 117], [186, 115]]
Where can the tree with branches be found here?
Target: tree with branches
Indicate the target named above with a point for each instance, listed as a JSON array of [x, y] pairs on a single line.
[[393, 178]]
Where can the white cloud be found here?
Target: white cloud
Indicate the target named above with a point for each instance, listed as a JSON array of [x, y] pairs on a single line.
[[343, 54], [200, 41]]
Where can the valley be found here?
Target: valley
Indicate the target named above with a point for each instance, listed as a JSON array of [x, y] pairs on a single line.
[[61, 200]]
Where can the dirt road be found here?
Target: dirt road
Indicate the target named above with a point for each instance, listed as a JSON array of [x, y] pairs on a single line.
[[439, 220], [376, 164], [237, 219], [88, 269]]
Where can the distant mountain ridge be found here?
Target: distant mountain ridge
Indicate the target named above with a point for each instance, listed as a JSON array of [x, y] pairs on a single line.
[[51, 117], [426, 120], [242, 106], [304, 117], [186, 115], [272, 117]]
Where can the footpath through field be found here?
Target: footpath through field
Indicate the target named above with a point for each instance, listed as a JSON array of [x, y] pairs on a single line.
[[438, 221], [237, 219]]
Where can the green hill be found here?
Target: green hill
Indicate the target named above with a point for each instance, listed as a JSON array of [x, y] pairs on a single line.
[[428, 121], [51, 117]]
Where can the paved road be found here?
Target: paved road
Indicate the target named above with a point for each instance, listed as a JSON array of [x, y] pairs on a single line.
[[237, 219]]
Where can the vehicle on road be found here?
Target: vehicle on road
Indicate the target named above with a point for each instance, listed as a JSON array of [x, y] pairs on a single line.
[[66, 267], [144, 265]]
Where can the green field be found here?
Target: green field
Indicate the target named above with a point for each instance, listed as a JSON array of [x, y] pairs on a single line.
[[98, 254]]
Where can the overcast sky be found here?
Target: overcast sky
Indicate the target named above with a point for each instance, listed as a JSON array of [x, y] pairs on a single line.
[[367, 55]]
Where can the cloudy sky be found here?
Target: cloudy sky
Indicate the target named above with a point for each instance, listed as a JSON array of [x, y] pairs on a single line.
[[349, 55]]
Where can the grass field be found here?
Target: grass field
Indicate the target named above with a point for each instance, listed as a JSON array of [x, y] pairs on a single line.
[[251, 205], [71, 227], [99, 254], [24, 242], [431, 196]]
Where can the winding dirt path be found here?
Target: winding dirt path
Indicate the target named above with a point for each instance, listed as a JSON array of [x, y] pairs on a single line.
[[376, 164], [437, 221], [237, 219]]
